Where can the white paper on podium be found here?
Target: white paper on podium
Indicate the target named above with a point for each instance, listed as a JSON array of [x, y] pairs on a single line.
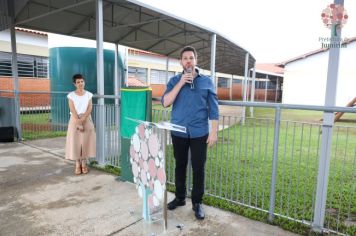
[[162, 125]]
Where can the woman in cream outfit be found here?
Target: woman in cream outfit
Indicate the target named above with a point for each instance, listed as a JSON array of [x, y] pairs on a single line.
[[81, 138]]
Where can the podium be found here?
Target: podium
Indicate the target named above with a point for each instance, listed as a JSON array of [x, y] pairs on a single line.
[[147, 158]]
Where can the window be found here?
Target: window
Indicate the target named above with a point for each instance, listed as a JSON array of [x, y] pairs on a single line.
[[236, 81], [223, 82], [138, 73], [41, 67], [272, 84], [5, 64], [27, 65], [159, 76], [260, 84]]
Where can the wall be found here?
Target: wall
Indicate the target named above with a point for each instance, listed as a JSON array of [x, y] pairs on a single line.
[[224, 93], [305, 79], [28, 85], [158, 90], [237, 91], [30, 44], [38, 44], [26, 43]]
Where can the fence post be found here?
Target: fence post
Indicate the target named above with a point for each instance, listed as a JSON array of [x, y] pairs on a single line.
[[277, 124], [323, 172], [100, 134], [327, 130]]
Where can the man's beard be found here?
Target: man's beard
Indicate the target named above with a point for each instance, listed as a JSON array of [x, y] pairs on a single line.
[[187, 68]]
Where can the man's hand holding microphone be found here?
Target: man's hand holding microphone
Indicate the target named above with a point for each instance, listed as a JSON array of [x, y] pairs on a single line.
[[188, 77]]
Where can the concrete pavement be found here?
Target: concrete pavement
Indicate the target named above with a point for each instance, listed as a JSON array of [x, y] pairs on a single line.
[[40, 195]]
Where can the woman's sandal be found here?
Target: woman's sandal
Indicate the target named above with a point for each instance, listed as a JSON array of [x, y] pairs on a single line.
[[84, 168], [78, 169]]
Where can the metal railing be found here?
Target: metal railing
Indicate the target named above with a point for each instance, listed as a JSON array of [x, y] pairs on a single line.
[[268, 163], [111, 134], [44, 115]]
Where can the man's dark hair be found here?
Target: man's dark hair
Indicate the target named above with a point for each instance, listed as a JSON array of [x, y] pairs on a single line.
[[189, 49], [77, 76]]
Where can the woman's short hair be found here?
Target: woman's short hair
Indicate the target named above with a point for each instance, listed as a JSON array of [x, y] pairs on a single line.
[[77, 76]]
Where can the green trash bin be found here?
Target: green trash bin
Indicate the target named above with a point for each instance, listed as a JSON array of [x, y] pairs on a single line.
[[136, 103]]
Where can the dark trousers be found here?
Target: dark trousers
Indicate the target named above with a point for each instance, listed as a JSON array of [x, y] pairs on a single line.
[[198, 147]]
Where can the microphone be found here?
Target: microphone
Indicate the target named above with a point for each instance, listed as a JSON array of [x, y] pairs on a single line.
[[190, 70]]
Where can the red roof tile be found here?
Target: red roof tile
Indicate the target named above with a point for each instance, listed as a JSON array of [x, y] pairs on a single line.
[[270, 67], [134, 82], [31, 31], [135, 51]]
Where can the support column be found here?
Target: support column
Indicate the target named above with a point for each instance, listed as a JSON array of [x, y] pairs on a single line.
[[212, 60], [117, 93], [117, 82], [126, 79], [15, 75], [244, 94], [100, 118], [276, 94], [327, 130], [16, 83], [266, 86], [230, 91], [167, 69]]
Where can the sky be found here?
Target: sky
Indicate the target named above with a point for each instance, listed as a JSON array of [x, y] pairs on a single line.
[[272, 31]]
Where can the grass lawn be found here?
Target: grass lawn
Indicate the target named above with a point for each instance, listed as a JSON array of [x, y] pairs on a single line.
[[239, 169], [38, 125], [348, 119]]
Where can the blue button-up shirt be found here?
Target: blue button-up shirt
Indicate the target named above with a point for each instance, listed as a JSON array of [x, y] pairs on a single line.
[[192, 108]]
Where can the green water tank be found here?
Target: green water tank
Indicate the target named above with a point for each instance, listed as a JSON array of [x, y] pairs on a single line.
[[64, 62]]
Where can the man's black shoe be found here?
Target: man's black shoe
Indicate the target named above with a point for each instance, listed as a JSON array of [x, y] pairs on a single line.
[[199, 212], [175, 203]]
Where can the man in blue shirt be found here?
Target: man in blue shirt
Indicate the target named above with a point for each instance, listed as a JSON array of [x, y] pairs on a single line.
[[194, 103]]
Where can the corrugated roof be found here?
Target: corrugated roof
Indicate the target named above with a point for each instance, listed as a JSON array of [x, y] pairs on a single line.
[[133, 24]]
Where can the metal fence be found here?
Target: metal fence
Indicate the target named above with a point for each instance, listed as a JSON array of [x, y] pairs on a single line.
[[111, 134], [47, 114], [267, 163], [270, 164]]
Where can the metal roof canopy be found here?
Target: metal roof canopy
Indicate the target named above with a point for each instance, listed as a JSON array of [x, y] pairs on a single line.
[[129, 23]]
